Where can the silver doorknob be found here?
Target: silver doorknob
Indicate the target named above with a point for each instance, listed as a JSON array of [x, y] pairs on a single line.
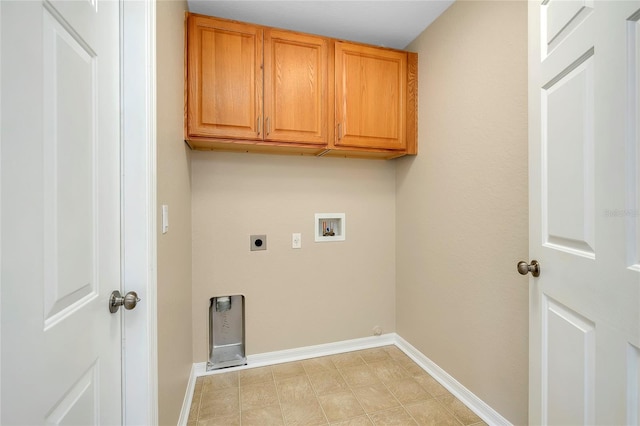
[[524, 268], [129, 301]]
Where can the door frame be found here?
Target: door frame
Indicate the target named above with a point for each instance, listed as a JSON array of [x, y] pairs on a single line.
[[0, 219], [138, 195], [138, 172]]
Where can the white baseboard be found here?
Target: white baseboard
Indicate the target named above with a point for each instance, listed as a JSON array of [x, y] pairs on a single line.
[[468, 398], [188, 396], [297, 354], [475, 404]]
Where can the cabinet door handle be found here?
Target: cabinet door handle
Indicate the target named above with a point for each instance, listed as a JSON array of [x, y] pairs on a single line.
[[268, 126], [259, 126], [339, 131]]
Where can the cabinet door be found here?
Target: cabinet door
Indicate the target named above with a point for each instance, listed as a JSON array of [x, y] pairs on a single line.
[[370, 97], [295, 92], [224, 79]]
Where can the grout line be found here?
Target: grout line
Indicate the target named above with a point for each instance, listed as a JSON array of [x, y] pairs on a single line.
[[275, 384], [239, 400], [400, 402], [447, 410], [315, 393], [351, 388], [199, 400]]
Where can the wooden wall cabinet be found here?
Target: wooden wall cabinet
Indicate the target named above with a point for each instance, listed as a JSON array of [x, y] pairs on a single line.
[[371, 97], [295, 87], [260, 89], [253, 84], [224, 66]]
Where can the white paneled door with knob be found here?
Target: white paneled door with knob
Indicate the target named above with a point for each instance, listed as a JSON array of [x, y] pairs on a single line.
[[61, 347], [584, 160]]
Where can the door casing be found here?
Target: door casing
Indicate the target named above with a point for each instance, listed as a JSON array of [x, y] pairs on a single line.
[[140, 363]]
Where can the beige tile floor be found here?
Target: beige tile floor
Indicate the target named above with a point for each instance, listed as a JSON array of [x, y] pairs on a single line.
[[380, 386]]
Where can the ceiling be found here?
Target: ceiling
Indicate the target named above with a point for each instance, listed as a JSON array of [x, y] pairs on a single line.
[[388, 23]]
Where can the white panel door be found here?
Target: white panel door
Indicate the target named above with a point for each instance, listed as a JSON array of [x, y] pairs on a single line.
[[61, 348], [584, 97]]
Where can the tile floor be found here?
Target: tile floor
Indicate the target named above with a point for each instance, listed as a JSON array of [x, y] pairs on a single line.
[[380, 386]]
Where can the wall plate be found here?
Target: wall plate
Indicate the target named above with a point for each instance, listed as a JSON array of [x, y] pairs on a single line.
[[258, 242], [330, 227]]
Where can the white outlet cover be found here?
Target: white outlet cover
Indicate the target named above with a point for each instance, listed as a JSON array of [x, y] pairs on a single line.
[[296, 240]]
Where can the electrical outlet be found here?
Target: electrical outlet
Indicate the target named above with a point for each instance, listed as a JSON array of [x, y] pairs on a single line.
[[296, 240]]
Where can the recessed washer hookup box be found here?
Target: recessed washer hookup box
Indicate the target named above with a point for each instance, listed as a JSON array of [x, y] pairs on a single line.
[[226, 332]]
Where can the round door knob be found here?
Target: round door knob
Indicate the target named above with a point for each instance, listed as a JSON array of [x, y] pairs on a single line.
[[129, 301], [524, 268]]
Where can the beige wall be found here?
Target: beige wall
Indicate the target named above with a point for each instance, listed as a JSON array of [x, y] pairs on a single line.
[[324, 292], [174, 247], [462, 204]]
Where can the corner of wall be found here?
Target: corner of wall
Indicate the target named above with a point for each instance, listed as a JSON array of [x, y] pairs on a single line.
[[462, 206], [174, 188]]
